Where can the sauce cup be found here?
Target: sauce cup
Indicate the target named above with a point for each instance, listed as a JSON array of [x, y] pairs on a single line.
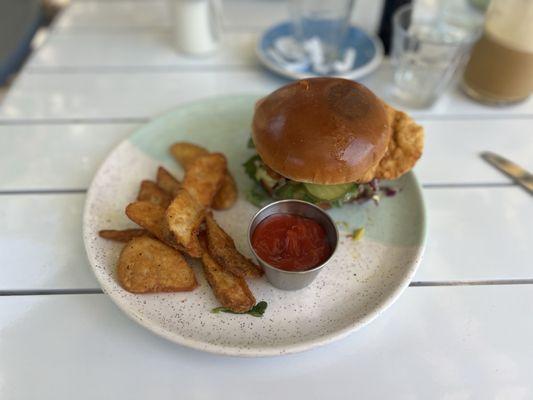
[[294, 280]]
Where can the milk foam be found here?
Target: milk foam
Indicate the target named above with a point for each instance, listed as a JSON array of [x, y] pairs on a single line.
[[511, 23]]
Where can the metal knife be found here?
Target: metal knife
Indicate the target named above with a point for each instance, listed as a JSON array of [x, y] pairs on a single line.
[[509, 168]]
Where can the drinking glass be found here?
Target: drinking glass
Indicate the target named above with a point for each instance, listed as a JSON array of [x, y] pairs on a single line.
[[320, 27], [426, 53]]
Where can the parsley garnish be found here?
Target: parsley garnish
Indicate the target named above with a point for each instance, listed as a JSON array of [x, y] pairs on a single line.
[[257, 311]]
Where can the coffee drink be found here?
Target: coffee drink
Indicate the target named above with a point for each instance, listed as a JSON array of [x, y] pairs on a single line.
[[500, 69]]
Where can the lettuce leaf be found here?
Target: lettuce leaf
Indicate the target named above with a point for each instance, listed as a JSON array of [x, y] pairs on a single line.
[[251, 165], [286, 189], [258, 196]]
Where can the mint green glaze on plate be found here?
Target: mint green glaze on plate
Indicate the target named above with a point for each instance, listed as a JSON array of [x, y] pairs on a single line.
[[219, 124], [223, 124]]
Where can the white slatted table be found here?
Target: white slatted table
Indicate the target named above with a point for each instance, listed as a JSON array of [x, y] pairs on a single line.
[[462, 331]]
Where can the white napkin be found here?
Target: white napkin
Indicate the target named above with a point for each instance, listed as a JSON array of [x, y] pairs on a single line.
[[288, 53]]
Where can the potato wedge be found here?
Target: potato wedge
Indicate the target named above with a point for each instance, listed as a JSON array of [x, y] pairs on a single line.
[[222, 249], [124, 235], [204, 177], [166, 181], [148, 266], [230, 290], [152, 218], [227, 194], [184, 217], [185, 153], [151, 192]]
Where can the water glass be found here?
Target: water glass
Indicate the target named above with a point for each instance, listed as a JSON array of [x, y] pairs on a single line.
[[426, 53], [320, 28]]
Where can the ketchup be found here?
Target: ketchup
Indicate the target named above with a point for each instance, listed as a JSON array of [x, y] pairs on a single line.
[[291, 242]]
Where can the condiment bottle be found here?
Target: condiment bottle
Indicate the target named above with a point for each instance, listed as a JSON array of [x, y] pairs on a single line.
[[195, 25]]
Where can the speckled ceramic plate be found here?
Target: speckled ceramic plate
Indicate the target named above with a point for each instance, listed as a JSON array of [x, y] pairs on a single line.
[[363, 279]]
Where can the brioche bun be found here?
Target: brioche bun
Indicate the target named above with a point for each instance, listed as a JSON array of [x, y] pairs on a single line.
[[321, 130]]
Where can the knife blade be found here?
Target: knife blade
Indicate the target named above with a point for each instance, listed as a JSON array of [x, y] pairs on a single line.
[[509, 168]]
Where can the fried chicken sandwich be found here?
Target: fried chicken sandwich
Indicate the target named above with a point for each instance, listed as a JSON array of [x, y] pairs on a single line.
[[328, 141]]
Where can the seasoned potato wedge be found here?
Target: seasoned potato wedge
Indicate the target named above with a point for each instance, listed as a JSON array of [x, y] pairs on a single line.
[[227, 194], [124, 235], [152, 218], [166, 181], [184, 217], [230, 290], [151, 192], [204, 177], [147, 266], [222, 249], [185, 153]]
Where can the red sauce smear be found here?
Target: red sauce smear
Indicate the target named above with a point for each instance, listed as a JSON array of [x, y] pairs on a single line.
[[291, 242]]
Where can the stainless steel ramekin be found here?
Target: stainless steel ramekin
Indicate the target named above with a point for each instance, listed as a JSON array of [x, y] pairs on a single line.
[[294, 280]]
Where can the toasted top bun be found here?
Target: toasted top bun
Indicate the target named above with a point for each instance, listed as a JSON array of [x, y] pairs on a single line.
[[321, 130]]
